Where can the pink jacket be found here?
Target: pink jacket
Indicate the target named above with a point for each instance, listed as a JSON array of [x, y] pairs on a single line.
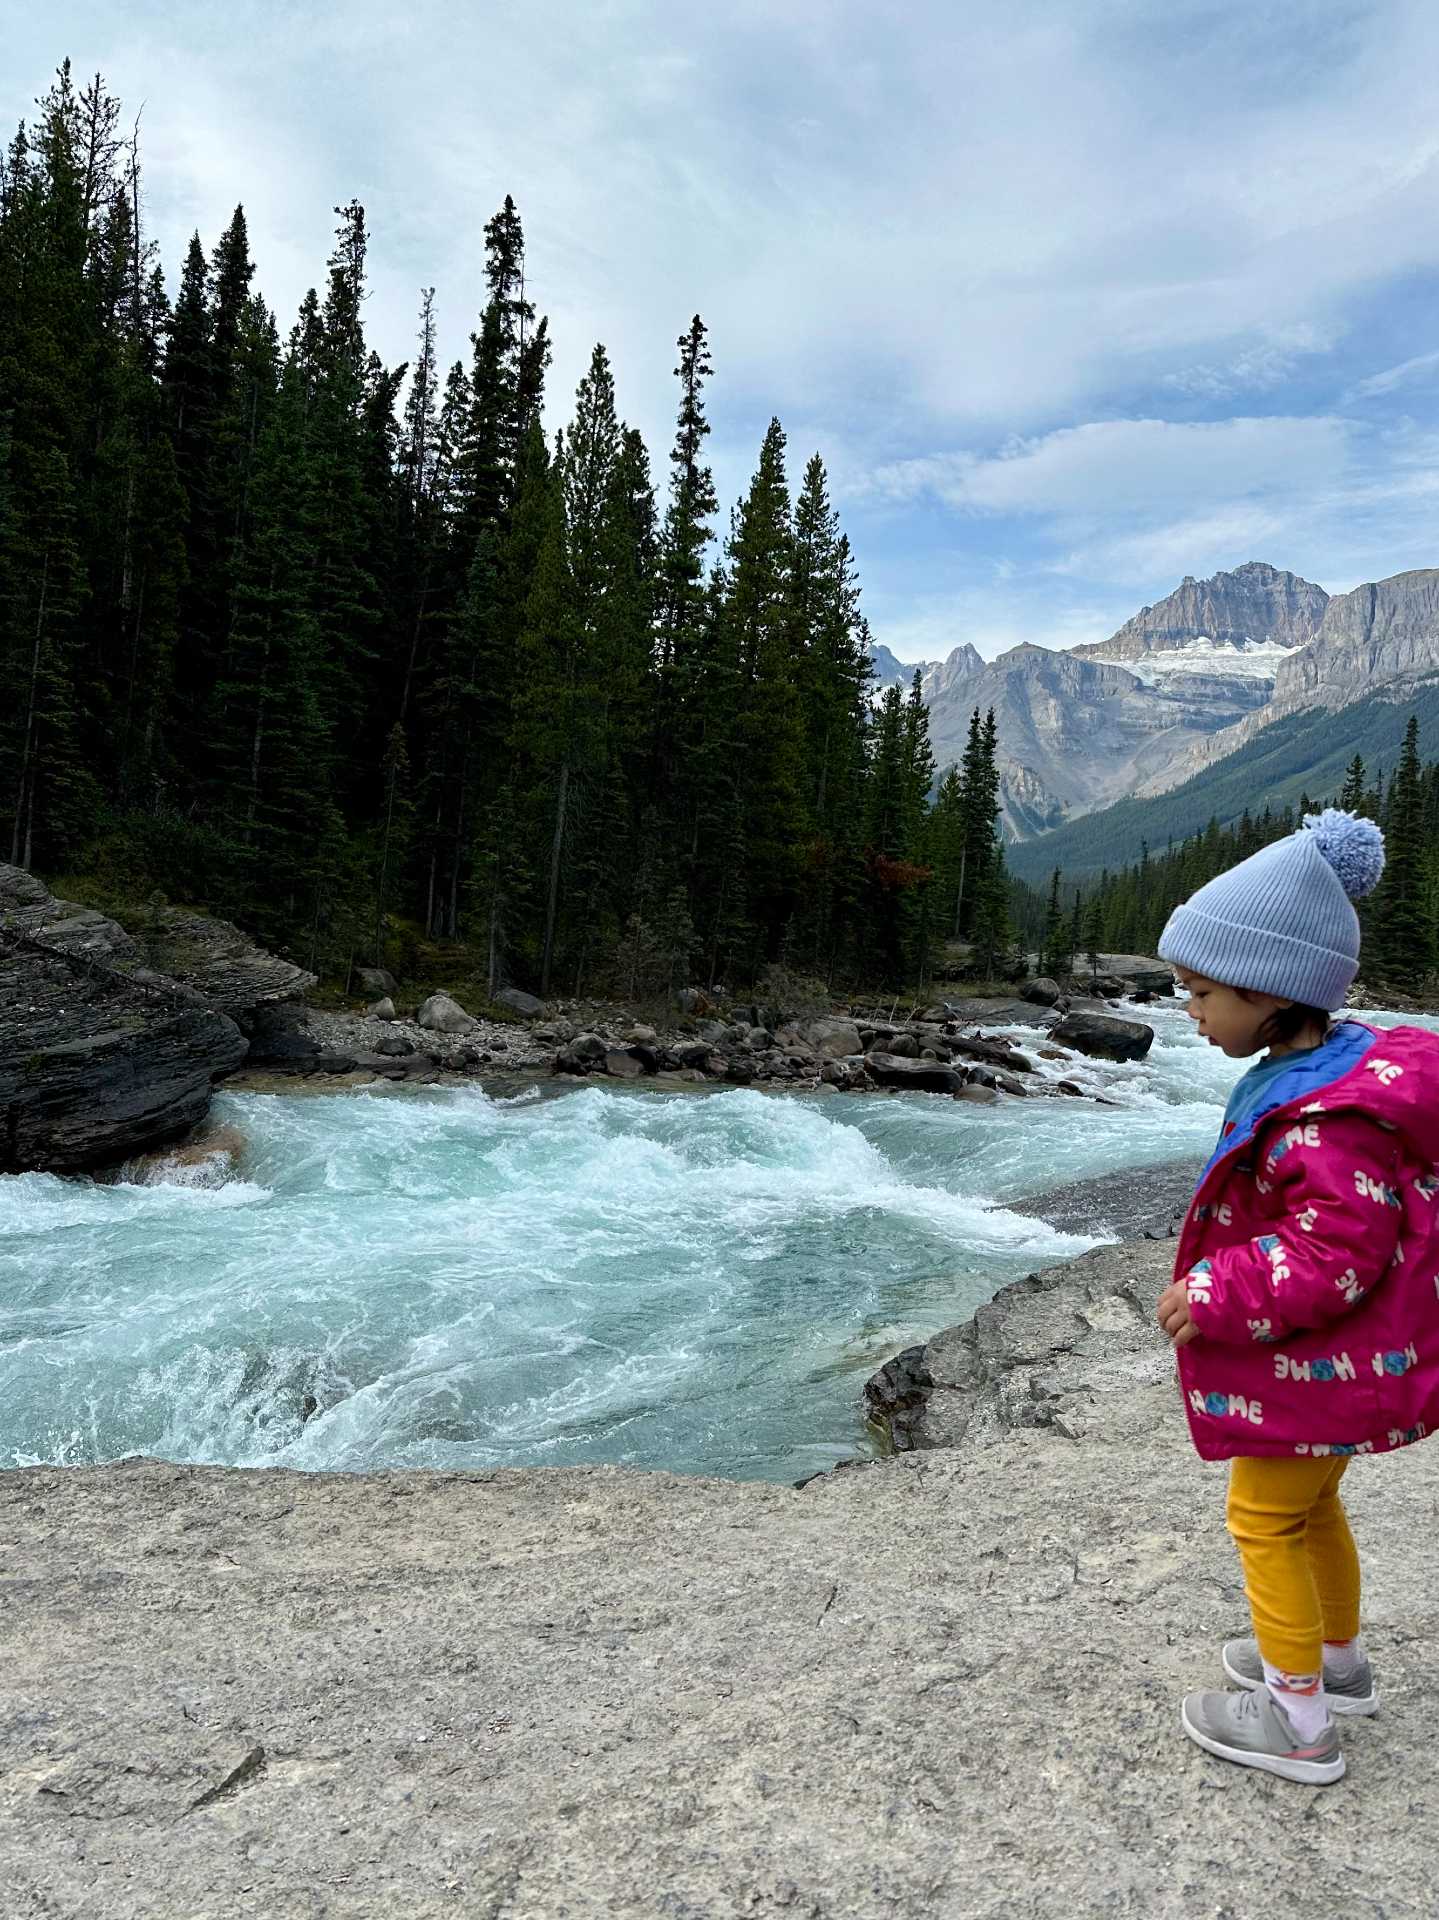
[[1310, 1256]]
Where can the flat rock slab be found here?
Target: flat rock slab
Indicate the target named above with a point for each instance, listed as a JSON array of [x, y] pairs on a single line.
[[944, 1684]]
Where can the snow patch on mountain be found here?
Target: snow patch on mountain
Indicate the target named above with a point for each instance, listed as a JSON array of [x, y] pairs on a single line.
[[1206, 658]]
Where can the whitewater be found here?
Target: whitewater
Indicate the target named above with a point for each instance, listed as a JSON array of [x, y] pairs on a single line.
[[450, 1278]]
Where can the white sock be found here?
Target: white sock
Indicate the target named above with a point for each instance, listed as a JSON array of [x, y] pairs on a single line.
[[1302, 1697], [1343, 1658]]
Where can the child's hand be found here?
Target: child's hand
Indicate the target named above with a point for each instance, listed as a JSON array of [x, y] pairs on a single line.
[[1174, 1317]]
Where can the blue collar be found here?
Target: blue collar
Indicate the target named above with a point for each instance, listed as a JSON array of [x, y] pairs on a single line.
[[1330, 1061]]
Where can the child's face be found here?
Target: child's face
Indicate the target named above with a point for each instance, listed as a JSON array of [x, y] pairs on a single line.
[[1230, 1018]]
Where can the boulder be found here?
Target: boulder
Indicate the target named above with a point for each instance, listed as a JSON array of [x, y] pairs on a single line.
[[992, 1053], [584, 1054], [904, 1046], [833, 1039], [280, 1036], [993, 1077], [642, 1037], [694, 1053], [377, 980], [441, 1014], [920, 1076], [624, 1063], [977, 1096], [395, 1045], [1048, 1350], [691, 1001], [1043, 992], [1103, 1036], [383, 1009], [518, 1001], [96, 1065], [1131, 970]]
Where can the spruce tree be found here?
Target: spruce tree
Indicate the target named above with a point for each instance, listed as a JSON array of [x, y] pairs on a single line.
[[1401, 931]]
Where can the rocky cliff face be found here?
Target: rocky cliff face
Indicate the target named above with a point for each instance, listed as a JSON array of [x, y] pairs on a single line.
[[102, 1055], [1074, 733], [1388, 630], [1255, 605], [1178, 687], [1379, 640]]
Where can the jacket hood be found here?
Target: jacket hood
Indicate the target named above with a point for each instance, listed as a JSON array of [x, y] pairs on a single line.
[[1397, 1081], [1390, 1073]]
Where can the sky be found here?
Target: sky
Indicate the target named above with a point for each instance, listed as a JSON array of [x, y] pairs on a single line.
[[1073, 297]]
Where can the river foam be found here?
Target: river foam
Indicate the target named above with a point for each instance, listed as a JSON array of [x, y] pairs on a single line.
[[434, 1277]]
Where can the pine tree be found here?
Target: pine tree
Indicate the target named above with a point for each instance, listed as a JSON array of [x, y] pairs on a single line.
[[1401, 932], [1054, 956], [1351, 799]]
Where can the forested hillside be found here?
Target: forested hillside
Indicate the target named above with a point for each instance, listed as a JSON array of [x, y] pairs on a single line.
[[1304, 753], [365, 658], [1124, 909]]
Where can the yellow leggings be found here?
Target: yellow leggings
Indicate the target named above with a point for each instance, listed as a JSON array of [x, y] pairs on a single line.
[[1301, 1570]]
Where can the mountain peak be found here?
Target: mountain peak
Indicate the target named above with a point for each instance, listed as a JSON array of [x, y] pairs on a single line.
[[1256, 605]]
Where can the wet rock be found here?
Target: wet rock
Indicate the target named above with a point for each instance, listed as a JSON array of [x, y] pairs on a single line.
[[1103, 1036], [518, 1001], [976, 1095], [1043, 992], [441, 1014], [624, 1063], [280, 1036], [992, 1053], [1000, 1081], [897, 1395], [95, 1064], [920, 1076], [584, 1054], [833, 1039], [694, 1053]]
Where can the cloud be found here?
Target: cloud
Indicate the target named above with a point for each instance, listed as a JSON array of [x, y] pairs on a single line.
[[884, 219], [1080, 292], [1122, 466], [1392, 377], [1258, 368]]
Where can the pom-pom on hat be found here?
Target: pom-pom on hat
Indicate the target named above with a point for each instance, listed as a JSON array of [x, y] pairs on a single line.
[[1282, 922]]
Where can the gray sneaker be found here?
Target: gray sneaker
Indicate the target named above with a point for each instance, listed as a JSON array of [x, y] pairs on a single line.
[[1357, 1694], [1253, 1730]]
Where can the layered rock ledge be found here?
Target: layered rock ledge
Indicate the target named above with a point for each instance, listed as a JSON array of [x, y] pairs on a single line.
[[941, 1684]]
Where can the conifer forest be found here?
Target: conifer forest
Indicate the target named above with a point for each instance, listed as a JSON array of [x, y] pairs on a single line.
[[368, 659], [357, 655]]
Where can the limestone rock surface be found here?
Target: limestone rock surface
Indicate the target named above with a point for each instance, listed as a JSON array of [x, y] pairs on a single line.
[[940, 1686]]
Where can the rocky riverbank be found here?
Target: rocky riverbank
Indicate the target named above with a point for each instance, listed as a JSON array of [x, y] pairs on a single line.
[[944, 1683], [112, 1038], [943, 1049]]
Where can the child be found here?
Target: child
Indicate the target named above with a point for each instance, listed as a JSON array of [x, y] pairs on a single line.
[[1304, 1310]]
